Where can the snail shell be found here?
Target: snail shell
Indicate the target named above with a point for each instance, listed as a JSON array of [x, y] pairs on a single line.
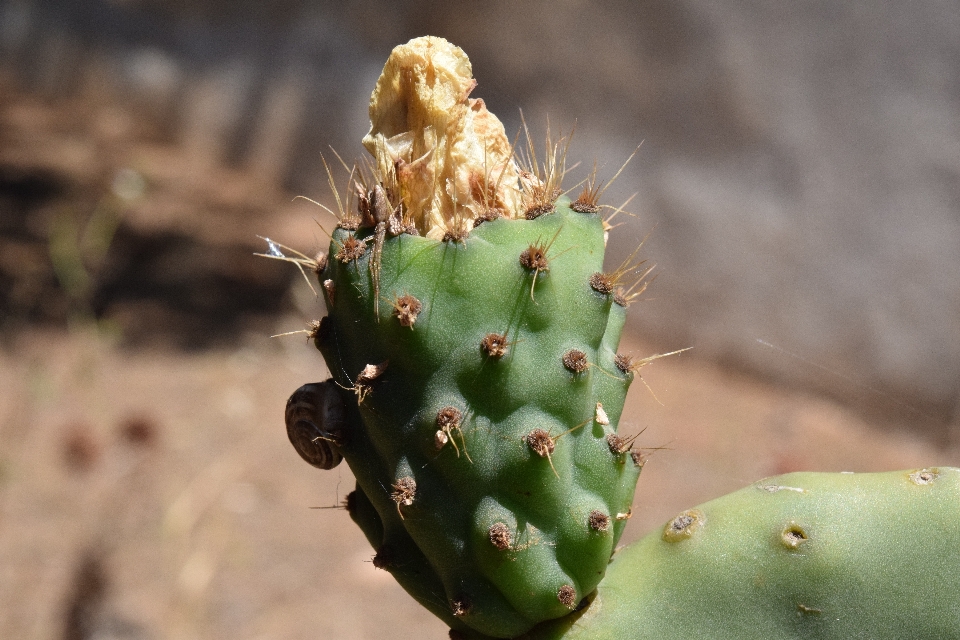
[[315, 423]]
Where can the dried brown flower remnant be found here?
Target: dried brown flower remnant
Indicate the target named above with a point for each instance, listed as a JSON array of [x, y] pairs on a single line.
[[426, 130]]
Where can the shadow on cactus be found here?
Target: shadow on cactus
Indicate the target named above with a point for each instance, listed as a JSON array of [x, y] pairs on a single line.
[[472, 337]]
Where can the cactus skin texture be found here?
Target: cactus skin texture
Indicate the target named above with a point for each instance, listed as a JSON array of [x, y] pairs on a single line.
[[805, 555], [516, 490]]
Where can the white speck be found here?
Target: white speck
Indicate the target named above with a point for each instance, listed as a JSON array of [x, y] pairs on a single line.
[[273, 249], [601, 417], [773, 488]]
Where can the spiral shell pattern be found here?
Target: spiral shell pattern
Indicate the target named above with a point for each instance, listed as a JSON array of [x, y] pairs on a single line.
[[315, 422]]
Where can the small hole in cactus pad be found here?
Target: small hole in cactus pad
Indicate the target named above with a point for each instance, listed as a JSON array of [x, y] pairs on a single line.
[[683, 526], [599, 521], [924, 476], [567, 596], [793, 536], [500, 536], [575, 360]]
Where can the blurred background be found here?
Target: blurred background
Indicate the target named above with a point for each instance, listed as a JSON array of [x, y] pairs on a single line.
[[799, 180]]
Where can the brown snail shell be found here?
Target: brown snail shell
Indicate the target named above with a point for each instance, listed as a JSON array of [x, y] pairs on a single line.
[[315, 423]]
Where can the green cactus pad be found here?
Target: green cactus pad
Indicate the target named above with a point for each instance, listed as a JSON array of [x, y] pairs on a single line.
[[491, 454], [805, 555]]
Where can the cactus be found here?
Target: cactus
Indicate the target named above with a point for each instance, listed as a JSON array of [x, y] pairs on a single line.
[[475, 331], [805, 555], [472, 334]]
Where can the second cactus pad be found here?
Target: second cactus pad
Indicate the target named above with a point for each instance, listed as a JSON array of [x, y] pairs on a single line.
[[485, 373]]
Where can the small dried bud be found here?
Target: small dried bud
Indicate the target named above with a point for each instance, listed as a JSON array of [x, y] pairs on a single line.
[[500, 536], [534, 258], [495, 344], [371, 372], [599, 521], [540, 442], [567, 596], [406, 308], [575, 360], [449, 418], [351, 249], [404, 491], [601, 415], [601, 283]]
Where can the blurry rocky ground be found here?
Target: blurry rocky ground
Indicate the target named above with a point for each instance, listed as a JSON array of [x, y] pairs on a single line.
[[799, 179]]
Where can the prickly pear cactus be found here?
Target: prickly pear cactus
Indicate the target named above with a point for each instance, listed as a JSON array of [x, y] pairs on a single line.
[[472, 337], [806, 555]]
